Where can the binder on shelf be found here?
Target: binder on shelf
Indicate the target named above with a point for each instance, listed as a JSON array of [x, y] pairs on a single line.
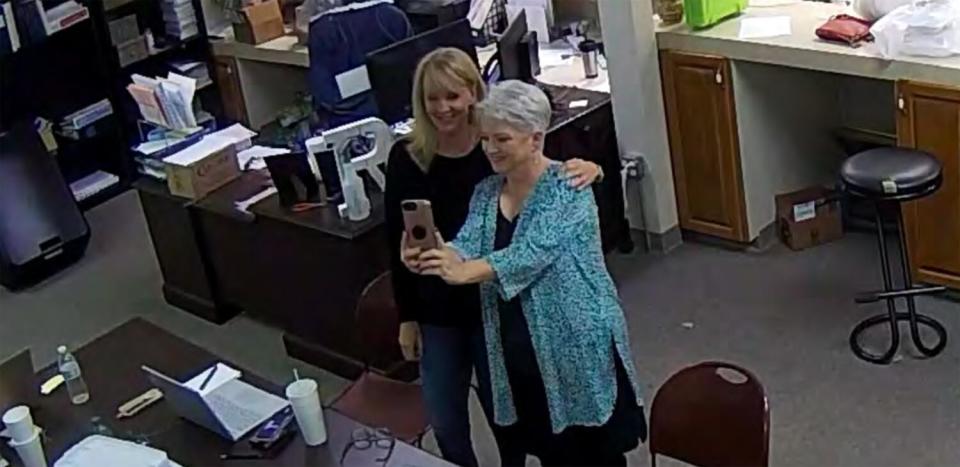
[[92, 184], [87, 115], [34, 23], [64, 15], [30, 19], [9, 36]]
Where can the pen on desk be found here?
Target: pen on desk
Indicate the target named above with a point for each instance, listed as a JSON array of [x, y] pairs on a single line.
[[209, 377], [231, 457]]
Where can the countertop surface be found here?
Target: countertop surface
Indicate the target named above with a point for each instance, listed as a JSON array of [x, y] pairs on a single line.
[[802, 49]]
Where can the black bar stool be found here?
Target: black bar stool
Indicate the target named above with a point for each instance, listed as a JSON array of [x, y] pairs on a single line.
[[888, 177]]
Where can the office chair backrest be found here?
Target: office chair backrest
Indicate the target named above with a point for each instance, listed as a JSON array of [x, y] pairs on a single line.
[[378, 323], [712, 414], [339, 41]]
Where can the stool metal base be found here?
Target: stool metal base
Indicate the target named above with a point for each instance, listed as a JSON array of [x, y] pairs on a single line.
[[890, 294], [887, 356]]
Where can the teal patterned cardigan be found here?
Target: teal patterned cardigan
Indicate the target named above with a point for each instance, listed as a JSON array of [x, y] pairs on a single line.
[[555, 264]]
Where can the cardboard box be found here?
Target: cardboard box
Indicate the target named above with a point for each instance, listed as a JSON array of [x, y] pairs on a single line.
[[132, 51], [809, 217], [203, 175], [261, 22]]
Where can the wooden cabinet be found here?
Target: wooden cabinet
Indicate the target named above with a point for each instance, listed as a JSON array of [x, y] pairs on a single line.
[[231, 92], [929, 119], [704, 145]]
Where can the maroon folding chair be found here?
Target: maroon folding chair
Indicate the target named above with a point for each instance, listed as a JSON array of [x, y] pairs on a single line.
[[374, 399], [712, 414]]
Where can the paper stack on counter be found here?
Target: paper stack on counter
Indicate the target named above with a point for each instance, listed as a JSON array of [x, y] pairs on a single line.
[[167, 102], [237, 135], [179, 18]]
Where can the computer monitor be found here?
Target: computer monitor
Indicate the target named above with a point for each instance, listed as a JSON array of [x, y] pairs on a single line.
[[391, 68], [508, 47]]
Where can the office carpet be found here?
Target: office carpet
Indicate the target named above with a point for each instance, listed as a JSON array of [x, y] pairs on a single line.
[[783, 315]]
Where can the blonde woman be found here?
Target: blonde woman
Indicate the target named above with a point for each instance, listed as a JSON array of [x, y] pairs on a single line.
[[442, 161]]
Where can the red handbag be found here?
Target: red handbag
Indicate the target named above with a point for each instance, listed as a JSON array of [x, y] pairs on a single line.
[[847, 29]]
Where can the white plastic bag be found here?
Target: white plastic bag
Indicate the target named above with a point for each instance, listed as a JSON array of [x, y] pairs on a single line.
[[872, 10], [924, 27]]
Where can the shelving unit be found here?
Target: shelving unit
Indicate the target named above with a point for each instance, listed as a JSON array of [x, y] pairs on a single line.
[[150, 18], [79, 66], [55, 77]]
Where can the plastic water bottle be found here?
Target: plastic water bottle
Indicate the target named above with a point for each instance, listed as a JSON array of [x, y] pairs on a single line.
[[70, 369]]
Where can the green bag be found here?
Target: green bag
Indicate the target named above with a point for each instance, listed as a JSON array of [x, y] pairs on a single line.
[[703, 13]]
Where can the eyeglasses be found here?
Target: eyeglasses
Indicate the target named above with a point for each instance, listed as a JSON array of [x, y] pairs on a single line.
[[365, 438]]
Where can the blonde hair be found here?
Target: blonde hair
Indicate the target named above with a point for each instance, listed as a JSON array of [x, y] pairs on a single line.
[[444, 68]]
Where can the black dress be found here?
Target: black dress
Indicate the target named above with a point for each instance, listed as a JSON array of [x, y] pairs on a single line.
[[532, 434], [448, 185]]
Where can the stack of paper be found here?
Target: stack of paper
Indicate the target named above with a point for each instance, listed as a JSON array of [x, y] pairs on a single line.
[[180, 18], [254, 158], [93, 184], [237, 135], [104, 450], [167, 102], [193, 69], [71, 125]]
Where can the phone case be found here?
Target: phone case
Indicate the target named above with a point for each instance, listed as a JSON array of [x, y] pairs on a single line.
[[418, 223]]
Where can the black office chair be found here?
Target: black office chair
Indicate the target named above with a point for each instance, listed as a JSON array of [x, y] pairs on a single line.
[[888, 177]]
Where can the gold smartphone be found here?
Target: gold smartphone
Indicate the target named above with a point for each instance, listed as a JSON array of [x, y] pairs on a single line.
[[418, 223]]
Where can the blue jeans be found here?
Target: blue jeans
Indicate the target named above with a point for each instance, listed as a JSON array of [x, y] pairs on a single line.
[[449, 358]]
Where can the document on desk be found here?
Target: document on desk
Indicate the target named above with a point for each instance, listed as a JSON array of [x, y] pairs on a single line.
[[218, 374], [99, 450], [254, 157], [236, 132], [241, 407], [758, 27], [244, 205], [203, 148]]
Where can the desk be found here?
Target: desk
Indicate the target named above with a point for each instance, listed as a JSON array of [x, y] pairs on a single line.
[[304, 272], [111, 365], [750, 119]]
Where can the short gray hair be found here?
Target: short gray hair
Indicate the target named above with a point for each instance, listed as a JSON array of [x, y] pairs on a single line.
[[518, 104]]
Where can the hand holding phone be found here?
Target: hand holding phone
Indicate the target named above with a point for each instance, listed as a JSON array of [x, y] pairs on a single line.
[[418, 224]]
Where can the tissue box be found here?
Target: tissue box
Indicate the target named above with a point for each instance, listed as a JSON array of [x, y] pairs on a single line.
[[261, 22]]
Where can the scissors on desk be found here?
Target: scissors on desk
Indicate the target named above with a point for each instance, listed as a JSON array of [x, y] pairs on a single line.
[[302, 207]]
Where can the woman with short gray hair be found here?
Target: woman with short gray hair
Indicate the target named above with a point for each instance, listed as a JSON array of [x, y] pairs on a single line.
[[562, 380]]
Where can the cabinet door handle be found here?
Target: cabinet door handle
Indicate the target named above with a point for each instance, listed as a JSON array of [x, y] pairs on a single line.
[[718, 77], [902, 104]]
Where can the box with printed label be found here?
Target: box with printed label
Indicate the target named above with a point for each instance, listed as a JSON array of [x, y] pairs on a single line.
[[199, 177], [809, 217]]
